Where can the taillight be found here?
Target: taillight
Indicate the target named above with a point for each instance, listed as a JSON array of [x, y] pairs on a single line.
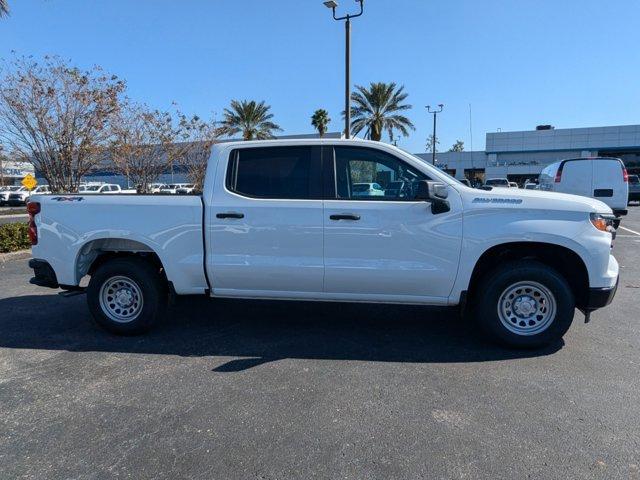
[[625, 174], [559, 173], [33, 208]]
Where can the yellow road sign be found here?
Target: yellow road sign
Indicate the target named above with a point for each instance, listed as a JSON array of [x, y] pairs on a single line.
[[29, 182]]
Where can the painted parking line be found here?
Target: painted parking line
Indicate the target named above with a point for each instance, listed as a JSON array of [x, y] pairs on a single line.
[[629, 230]]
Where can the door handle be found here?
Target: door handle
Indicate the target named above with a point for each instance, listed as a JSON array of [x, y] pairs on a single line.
[[345, 216], [230, 215]]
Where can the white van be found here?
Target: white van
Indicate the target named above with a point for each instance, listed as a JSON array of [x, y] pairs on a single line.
[[602, 178]]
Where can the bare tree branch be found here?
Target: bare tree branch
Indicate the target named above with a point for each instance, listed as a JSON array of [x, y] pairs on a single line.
[[57, 117], [144, 144]]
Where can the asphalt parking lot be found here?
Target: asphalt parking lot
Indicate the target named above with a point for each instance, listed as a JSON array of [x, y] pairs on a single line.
[[274, 390]]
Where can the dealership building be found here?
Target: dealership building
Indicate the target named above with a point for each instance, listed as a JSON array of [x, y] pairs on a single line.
[[519, 156]]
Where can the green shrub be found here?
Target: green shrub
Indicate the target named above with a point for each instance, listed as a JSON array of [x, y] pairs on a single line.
[[14, 236]]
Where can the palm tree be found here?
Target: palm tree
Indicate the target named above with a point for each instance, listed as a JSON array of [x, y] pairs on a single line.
[[250, 118], [320, 119], [4, 8], [376, 110]]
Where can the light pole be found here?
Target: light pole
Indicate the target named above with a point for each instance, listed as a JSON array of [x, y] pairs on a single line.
[[347, 60], [433, 139]]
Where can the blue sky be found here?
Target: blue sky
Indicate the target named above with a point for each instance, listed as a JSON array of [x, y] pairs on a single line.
[[518, 63]]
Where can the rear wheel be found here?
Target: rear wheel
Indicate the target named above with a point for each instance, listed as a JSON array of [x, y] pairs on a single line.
[[126, 296], [525, 304]]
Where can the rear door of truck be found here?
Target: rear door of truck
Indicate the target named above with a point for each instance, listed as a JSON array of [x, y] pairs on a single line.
[[266, 222]]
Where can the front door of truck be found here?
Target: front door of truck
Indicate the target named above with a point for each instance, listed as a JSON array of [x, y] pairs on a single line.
[[386, 247], [265, 223]]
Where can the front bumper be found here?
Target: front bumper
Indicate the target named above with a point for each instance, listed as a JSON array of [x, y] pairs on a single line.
[[45, 276], [600, 297]]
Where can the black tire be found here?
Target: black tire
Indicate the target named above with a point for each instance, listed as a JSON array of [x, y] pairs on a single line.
[[136, 278], [507, 276]]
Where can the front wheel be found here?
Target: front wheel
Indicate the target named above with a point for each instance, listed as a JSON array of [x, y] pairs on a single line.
[[126, 296], [525, 304]]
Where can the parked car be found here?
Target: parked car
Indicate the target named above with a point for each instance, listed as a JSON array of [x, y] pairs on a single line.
[[276, 220], [186, 190], [172, 188], [5, 191], [602, 178], [513, 185], [84, 185], [106, 188], [367, 190], [531, 186], [497, 182], [20, 196], [634, 188], [156, 187]]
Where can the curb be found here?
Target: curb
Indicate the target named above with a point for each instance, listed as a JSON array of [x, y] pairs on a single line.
[[20, 254]]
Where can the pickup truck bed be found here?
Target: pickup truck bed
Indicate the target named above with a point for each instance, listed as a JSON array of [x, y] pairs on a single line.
[[90, 225]]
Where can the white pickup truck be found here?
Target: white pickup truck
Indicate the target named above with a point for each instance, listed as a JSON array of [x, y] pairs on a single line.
[[280, 219]]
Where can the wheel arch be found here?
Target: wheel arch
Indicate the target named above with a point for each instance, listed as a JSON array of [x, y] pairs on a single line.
[[564, 260], [96, 252]]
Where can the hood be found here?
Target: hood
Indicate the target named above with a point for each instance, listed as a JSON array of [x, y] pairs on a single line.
[[536, 199]]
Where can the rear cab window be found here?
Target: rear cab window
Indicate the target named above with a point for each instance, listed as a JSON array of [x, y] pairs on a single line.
[[290, 173]]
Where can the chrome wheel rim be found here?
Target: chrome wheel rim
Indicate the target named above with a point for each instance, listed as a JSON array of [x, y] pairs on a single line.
[[526, 308], [121, 299]]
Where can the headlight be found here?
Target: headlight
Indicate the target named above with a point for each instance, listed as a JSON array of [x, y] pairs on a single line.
[[603, 222]]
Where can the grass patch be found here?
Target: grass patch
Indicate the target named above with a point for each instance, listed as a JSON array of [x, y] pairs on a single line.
[[13, 237]]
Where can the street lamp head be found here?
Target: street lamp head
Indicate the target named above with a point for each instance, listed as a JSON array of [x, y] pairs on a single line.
[[441, 105], [331, 4]]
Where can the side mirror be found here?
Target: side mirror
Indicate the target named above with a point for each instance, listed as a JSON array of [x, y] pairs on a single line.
[[434, 192]]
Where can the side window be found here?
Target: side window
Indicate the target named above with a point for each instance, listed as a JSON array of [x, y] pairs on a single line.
[[367, 174], [274, 172]]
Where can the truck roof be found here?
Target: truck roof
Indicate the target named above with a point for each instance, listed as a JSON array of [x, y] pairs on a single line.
[[300, 141]]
